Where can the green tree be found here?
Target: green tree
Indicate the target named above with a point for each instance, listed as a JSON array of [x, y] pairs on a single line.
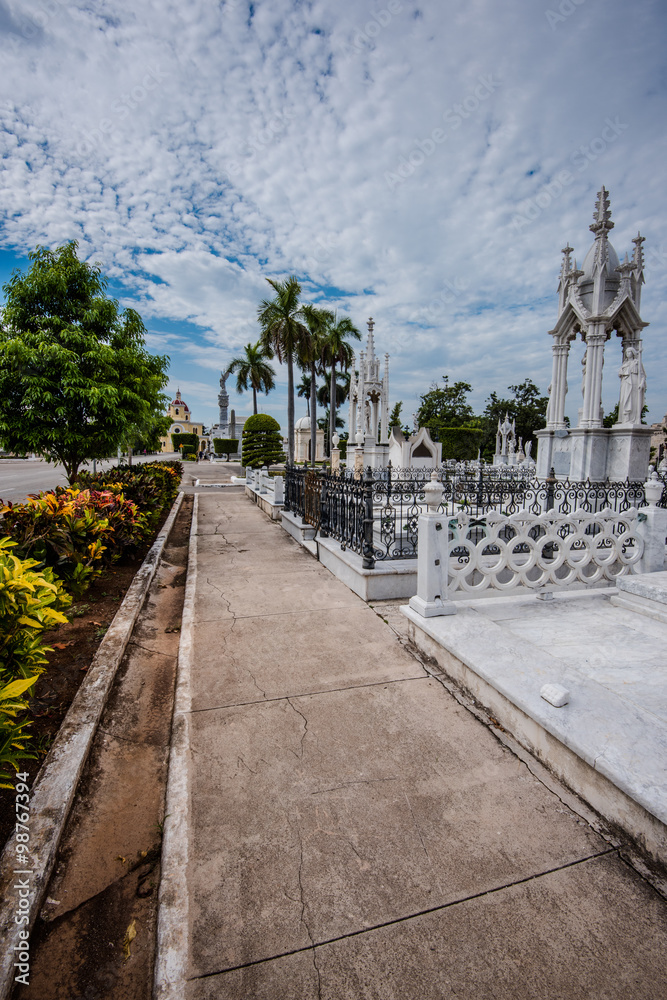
[[253, 371], [262, 443], [74, 373], [445, 406], [337, 351], [303, 391], [282, 333], [311, 355], [147, 434]]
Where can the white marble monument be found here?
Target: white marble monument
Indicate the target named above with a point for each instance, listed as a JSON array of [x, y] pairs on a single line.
[[506, 452], [601, 298], [369, 409], [419, 451]]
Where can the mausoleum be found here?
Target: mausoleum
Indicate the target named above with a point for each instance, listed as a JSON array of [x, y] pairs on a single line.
[[594, 302]]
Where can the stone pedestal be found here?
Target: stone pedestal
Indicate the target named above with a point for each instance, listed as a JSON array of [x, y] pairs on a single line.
[[375, 455], [628, 452], [596, 453]]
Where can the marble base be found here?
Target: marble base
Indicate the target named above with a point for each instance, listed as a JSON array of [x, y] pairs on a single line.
[[595, 453], [645, 594], [608, 742]]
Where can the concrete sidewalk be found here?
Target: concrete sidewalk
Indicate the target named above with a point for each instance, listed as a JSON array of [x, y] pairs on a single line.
[[346, 829]]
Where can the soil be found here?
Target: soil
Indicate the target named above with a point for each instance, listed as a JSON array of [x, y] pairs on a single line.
[[74, 646]]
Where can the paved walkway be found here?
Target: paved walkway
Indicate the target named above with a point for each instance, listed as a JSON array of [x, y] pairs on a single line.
[[352, 831]]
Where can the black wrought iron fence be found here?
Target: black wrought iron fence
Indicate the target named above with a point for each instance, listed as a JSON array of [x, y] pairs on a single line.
[[378, 516]]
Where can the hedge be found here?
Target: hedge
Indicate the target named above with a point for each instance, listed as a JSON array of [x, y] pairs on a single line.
[[460, 443], [185, 441], [226, 446]]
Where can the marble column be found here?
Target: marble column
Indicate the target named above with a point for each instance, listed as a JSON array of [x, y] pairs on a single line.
[[595, 342], [556, 411]]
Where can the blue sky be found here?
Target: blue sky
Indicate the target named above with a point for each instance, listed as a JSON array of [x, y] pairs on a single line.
[[420, 163]]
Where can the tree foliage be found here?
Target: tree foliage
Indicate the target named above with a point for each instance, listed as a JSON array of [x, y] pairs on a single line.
[[282, 333], [445, 406], [75, 376], [253, 371]]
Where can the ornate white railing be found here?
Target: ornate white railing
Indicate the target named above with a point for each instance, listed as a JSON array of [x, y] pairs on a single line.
[[549, 550]]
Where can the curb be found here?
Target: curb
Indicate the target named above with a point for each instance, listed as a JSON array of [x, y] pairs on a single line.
[[171, 954], [53, 791]]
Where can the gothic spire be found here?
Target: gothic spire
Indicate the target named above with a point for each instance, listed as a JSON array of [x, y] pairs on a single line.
[[602, 215], [371, 343]]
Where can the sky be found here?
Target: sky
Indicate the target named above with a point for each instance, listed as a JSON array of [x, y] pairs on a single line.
[[421, 163]]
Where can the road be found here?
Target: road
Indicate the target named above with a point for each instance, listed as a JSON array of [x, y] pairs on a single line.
[[19, 477]]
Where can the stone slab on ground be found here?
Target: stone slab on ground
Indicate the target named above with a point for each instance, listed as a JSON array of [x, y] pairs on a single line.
[[360, 833], [553, 937], [612, 663]]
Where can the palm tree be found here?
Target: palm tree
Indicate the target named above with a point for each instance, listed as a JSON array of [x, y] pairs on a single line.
[[318, 321], [303, 390], [283, 334], [254, 371], [338, 351]]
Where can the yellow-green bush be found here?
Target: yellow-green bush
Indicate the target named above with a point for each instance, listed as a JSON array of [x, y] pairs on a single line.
[[30, 601]]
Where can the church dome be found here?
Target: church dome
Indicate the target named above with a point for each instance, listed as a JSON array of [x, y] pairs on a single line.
[[179, 402], [302, 424]]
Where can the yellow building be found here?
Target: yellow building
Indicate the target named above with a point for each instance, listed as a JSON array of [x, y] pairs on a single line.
[[179, 411]]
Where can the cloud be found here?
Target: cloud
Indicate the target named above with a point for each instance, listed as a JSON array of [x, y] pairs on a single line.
[[195, 150]]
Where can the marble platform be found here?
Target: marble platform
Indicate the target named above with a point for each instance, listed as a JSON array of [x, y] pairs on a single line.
[[645, 594], [609, 742]]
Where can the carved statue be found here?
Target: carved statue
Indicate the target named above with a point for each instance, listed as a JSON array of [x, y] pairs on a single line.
[[529, 448], [583, 373], [633, 388]]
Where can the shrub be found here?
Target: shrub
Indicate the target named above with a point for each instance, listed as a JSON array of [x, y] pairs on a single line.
[[262, 443], [29, 602], [71, 530], [14, 741], [226, 446], [153, 486]]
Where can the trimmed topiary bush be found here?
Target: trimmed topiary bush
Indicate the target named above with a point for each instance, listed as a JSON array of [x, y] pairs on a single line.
[[262, 443]]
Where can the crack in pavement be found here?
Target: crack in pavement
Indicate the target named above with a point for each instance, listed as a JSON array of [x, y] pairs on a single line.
[[303, 909], [346, 784], [410, 916], [305, 725], [225, 599], [414, 820]]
